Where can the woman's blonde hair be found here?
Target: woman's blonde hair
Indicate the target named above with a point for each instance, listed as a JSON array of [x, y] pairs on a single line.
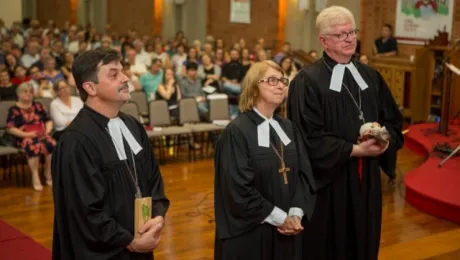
[[23, 86], [250, 85], [332, 16]]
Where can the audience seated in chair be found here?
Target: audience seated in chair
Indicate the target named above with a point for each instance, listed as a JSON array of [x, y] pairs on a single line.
[[191, 87], [152, 79], [209, 72], [7, 88], [31, 125], [169, 90], [64, 108]]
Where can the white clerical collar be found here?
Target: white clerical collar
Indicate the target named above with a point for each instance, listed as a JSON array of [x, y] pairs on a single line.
[[337, 76], [118, 130], [263, 131]]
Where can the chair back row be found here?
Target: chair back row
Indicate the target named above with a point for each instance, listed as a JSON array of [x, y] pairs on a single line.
[[188, 111]]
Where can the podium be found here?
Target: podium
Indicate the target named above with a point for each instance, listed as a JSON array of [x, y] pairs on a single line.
[[450, 71]]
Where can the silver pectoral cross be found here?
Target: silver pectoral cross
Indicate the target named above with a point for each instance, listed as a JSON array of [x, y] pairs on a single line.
[[361, 116]]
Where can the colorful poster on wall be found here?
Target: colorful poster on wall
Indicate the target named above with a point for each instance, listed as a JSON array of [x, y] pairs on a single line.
[[240, 11], [417, 21]]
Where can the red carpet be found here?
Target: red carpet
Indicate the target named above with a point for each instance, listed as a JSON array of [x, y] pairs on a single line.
[[14, 245], [429, 188]]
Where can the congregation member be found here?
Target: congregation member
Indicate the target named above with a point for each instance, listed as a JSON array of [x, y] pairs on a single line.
[[328, 102], [31, 125], [264, 184], [64, 108]]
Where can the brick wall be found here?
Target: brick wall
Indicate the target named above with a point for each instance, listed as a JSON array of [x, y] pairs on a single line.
[[264, 22], [124, 15]]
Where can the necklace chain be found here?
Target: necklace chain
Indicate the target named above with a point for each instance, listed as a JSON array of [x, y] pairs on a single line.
[[351, 95], [134, 177]]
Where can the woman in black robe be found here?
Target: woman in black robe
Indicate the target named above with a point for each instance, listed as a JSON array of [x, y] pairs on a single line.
[[259, 204]]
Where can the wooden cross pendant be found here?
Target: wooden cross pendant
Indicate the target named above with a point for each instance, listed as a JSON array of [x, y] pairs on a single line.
[[284, 170]]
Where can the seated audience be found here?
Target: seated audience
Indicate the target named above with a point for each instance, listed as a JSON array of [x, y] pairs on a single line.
[[169, 90], [138, 69], [44, 53], [209, 72], [246, 60], [233, 74], [288, 68], [11, 64], [30, 124], [192, 56], [31, 56], [66, 67], [50, 72], [133, 82], [386, 45], [20, 75], [313, 54], [7, 88], [152, 79], [219, 58], [64, 108], [142, 57], [285, 51], [158, 53], [191, 87], [45, 88]]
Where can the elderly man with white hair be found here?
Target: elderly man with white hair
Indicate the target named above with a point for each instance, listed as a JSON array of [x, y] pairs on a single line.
[[329, 102]]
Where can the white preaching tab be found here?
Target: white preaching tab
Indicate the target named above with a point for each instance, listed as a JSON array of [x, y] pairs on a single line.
[[337, 76], [263, 131], [118, 130]]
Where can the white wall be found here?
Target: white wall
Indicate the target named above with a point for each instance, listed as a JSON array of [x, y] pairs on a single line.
[[10, 11]]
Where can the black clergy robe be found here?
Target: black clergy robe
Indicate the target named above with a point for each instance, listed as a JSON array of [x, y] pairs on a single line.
[[248, 186], [94, 193], [346, 223]]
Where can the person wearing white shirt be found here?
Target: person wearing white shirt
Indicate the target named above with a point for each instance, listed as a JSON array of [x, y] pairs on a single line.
[[64, 108], [142, 56], [32, 54], [136, 67]]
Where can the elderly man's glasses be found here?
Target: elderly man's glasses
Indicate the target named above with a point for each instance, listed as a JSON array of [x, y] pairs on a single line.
[[272, 81], [344, 35]]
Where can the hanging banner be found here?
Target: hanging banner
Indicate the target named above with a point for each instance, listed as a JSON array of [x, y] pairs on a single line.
[[240, 11], [420, 20]]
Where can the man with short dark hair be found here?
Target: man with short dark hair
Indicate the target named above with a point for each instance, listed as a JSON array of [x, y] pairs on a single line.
[[103, 167]]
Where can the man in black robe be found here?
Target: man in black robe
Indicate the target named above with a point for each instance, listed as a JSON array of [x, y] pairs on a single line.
[[255, 201], [102, 164], [329, 102]]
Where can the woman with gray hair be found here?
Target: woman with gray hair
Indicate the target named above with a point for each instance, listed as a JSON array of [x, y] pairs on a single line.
[[329, 102], [30, 124]]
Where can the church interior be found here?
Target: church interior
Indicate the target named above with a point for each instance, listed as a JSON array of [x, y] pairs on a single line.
[[413, 44]]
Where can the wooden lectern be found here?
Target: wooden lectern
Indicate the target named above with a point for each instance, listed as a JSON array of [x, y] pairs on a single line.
[[446, 91]]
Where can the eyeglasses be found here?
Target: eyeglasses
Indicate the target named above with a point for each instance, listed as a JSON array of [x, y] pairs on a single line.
[[344, 35], [272, 81]]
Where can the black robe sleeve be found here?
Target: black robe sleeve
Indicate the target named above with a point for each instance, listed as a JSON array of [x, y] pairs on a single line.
[[160, 202], [239, 204], [305, 193], [327, 151], [390, 117], [85, 198]]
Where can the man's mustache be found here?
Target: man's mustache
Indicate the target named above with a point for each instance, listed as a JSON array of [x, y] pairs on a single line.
[[124, 86]]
